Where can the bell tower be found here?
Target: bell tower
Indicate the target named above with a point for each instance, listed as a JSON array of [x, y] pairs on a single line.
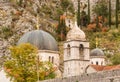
[[76, 52]]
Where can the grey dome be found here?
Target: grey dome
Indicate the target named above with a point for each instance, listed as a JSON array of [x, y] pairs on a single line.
[[97, 52], [41, 39]]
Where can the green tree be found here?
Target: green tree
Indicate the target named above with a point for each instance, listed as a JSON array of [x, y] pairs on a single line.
[[115, 59], [109, 13], [88, 11], [67, 6], [116, 13], [101, 9], [78, 14], [61, 29], [25, 66]]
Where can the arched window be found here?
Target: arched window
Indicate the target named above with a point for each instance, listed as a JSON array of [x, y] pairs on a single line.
[[68, 50], [96, 62], [81, 51], [52, 59], [49, 59]]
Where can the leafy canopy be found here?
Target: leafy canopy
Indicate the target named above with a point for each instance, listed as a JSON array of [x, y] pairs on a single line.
[[115, 59], [24, 64], [101, 8]]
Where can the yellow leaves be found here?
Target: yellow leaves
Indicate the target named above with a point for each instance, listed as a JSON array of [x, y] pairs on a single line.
[[24, 50], [22, 65]]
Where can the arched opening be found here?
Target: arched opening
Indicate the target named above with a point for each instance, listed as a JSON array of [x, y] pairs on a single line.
[[96, 62], [81, 51], [49, 58], [52, 59], [68, 50]]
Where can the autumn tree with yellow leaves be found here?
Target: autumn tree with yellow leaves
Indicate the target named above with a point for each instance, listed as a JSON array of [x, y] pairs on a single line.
[[24, 65]]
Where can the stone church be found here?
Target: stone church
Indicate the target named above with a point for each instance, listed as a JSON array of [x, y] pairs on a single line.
[[77, 55]]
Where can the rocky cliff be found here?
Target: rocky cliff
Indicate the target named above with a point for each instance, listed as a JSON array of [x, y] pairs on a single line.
[[19, 18]]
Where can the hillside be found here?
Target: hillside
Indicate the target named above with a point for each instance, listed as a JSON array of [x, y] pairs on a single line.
[[19, 18]]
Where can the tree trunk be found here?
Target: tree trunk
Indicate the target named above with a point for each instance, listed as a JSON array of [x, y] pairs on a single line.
[[116, 14], [78, 14], [109, 13], [88, 11]]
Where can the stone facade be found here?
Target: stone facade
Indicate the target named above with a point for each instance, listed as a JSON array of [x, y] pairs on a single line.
[[103, 76], [97, 61], [48, 55], [76, 52]]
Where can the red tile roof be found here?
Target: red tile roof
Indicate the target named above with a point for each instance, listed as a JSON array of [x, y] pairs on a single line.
[[111, 67], [104, 68], [97, 67]]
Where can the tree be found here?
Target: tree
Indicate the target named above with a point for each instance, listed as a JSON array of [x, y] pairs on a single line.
[[115, 59], [116, 13], [67, 6], [109, 13], [24, 65], [88, 11], [101, 9], [83, 18], [78, 14], [61, 29]]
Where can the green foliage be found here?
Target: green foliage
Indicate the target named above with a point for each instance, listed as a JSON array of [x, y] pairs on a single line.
[[47, 10], [67, 6], [115, 59], [22, 66], [6, 32], [109, 13], [61, 29], [78, 14], [84, 18], [116, 14], [101, 8], [88, 11]]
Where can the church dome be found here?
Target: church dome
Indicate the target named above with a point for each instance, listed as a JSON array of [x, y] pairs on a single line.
[[97, 52], [76, 34], [41, 39]]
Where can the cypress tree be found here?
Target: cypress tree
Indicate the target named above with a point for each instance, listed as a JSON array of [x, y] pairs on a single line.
[[88, 11], [109, 13], [61, 29], [116, 14], [78, 14]]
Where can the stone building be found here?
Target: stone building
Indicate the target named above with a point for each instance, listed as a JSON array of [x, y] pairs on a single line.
[[97, 57], [76, 52]]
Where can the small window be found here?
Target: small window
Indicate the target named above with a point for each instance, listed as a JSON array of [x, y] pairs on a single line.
[[81, 51], [96, 62], [52, 59], [49, 58], [68, 50]]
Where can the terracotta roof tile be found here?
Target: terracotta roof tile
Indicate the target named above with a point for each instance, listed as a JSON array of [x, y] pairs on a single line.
[[104, 68], [97, 67], [111, 67]]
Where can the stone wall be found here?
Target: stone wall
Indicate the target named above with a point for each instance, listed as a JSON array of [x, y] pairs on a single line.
[[104, 76]]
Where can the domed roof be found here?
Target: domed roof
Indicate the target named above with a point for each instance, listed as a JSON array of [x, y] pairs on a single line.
[[41, 39], [76, 34], [97, 52]]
